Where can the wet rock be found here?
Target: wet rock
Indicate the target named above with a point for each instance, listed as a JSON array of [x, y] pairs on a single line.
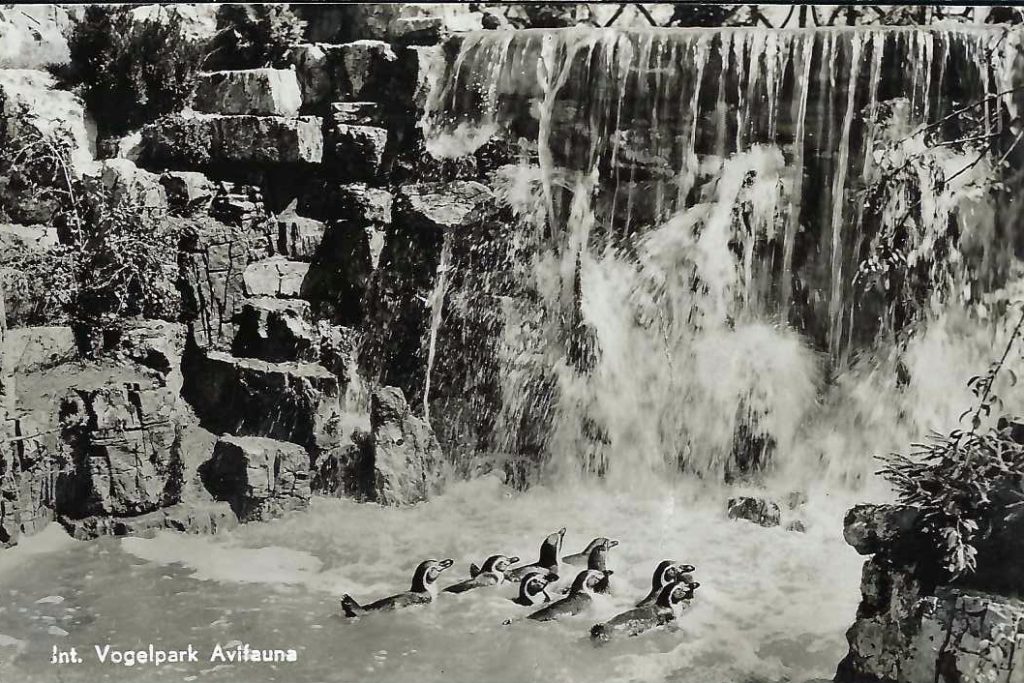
[[124, 446], [211, 261], [346, 471], [354, 202], [197, 141], [294, 402], [275, 277], [339, 275], [276, 330], [757, 510], [127, 182], [188, 191], [205, 517], [318, 71], [874, 528], [260, 478], [298, 237], [128, 146], [367, 65], [438, 206], [413, 73], [357, 114], [357, 151], [407, 461], [339, 348], [272, 92]]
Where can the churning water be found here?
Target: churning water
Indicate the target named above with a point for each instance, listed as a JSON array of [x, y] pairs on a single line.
[[675, 303]]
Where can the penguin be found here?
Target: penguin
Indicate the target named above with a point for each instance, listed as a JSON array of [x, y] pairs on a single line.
[[533, 589], [424, 587], [580, 596], [491, 574], [550, 549], [671, 603], [597, 559], [667, 572], [583, 558]]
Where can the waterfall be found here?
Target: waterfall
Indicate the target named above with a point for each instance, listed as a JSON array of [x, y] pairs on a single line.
[[699, 197]]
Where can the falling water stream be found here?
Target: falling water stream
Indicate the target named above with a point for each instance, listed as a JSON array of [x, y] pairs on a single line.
[[685, 230]]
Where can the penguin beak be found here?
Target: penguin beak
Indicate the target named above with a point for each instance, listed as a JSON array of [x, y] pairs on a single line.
[[561, 532], [445, 564], [612, 544], [551, 577], [687, 568], [513, 560]]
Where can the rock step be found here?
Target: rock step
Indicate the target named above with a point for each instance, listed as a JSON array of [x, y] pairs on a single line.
[[272, 92], [294, 402], [260, 478]]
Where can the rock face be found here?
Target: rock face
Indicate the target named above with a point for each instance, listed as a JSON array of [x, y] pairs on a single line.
[[260, 478], [757, 510], [273, 92], [127, 182], [407, 460], [912, 626], [277, 277], [294, 402], [28, 481], [197, 141], [357, 151], [207, 517], [124, 448]]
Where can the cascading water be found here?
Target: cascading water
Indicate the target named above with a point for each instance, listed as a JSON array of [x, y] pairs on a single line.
[[699, 212]]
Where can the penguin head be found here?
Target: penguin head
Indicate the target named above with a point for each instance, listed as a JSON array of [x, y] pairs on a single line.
[[677, 594], [551, 548], [597, 542], [533, 587], [427, 574], [596, 556], [588, 580], [498, 564], [668, 572]]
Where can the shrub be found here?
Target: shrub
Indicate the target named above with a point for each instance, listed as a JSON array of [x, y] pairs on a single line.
[[132, 71], [35, 167], [253, 36]]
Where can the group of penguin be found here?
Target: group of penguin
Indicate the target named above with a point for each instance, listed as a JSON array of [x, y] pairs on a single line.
[[672, 587]]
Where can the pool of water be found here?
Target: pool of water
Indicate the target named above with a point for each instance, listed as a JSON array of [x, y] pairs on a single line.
[[773, 604]]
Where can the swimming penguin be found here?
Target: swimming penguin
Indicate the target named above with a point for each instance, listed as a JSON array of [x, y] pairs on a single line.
[[533, 589], [670, 605], [491, 574], [424, 586], [597, 559], [667, 572], [584, 557], [550, 549], [580, 596]]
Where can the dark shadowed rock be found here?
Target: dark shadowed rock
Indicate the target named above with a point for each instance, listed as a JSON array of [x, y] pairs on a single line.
[[295, 402], [260, 478], [124, 448], [367, 66], [188, 191], [438, 206], [248, 91], [356, 152], [346, 471], [298, 237], [276, 330], [757, 510], [873, 528], [355, 202], [417, 30], [357, 114], [407, 460]]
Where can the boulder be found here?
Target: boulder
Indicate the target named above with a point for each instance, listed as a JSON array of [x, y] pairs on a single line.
[[277, 276], [276, 330], [294, 402], [188, 191], [318, 71], [757, 510], [154, 344], [260, 478], [345, 471], [211, 262], [407, 463], [429, 30], [357, 151], [876, 528], [273, 92], [197, 141], [298, 237], [203, 517], [437, 206], [127, 182], [124, 447]]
